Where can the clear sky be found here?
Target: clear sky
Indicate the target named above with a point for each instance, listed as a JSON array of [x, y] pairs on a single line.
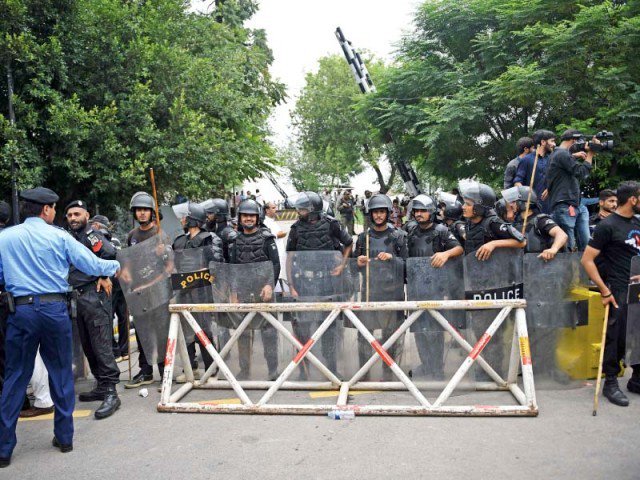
[[301, 31]]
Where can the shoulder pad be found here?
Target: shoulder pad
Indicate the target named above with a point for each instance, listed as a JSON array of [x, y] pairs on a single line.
[[330, 218], [440, 228], [513, 231], [266, 232], [398, 232], [231, 235]]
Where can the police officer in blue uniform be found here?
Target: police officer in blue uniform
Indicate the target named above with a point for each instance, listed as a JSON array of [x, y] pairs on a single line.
[[34, 261], [5, 214], [94, 316]]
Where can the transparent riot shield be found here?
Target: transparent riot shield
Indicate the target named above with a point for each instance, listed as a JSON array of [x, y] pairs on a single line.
[[380, 281], [498, 278], [318, 276], [246, 283], [146, 284], [191, 283], [170, 223], [557, 306], [633, 314], [436, 352]]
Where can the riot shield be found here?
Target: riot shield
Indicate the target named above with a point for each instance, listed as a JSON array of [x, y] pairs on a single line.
[[318, 276], [191, 283], [425, 282], [633, 314], [557, 303], [498, 278], [170, 223], [246, 283], [145, 281]]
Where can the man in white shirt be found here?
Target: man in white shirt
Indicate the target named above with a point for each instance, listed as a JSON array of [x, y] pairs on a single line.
[[271, 223]]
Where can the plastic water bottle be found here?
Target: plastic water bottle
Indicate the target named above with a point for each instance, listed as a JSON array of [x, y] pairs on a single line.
[[342, 415]]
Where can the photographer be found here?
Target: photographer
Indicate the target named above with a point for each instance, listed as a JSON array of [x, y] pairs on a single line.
[[564, 175]]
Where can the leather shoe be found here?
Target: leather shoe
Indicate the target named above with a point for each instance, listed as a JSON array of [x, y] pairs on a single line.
[[110, 403], [36, 412], [613, 393], [633, 385], [5, 462], [63, 448], [97, 394]]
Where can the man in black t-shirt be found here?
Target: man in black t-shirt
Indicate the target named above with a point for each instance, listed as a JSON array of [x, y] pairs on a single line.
[[616, 240]]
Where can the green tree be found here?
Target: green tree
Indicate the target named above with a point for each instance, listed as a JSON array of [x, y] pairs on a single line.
[[334, 141], [478, 74], [106, 89]]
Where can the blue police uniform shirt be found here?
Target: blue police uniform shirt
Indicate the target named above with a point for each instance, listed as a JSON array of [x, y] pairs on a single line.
[[35, 259]]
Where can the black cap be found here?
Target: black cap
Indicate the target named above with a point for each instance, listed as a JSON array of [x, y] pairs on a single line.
[[101, 219], [5, 211], [41, 195], [76, 204]]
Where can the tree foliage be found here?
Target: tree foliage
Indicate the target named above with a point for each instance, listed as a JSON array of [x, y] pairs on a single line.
[[475, 75], [105, 89]]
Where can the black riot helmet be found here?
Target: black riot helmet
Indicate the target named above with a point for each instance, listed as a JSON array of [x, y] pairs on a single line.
[[519, 195], [250, 207], [196, 215], [501, 209], [380, 201], [450, 205], [220, 209], [483, 197], [422, 202], [316, 201], [142, 200]]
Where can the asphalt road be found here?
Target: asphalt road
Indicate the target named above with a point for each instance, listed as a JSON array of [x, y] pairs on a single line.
[[564, 441]]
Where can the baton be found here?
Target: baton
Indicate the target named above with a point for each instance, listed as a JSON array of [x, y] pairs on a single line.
[[368, 260], [155, 197], [599, 377], [533, 176], [128, 326]]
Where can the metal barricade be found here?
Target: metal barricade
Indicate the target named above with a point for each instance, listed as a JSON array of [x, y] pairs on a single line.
[[519, 361]]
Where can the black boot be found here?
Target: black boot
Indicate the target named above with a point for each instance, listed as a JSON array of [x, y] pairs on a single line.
[[97, 394], [110, 403], [633, 385], [613, 393]]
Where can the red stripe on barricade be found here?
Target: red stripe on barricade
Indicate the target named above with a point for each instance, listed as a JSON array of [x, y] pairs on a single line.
[[204, 340], [171, 348], [478, 347], [303, 350], [386, 358]]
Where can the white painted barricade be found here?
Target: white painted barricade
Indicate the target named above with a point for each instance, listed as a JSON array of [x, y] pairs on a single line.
[[519, 361]]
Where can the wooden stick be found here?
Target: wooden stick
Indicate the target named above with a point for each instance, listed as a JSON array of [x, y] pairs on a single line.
[[599, 377], [155, 198], [533, 176], [366, 233]]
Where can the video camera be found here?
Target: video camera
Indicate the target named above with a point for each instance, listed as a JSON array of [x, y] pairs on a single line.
[[581, 145]]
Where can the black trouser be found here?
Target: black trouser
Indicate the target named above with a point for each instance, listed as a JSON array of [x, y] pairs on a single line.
[[119, 307], [270, 348], [95, 328], [303, 331], [615, 343], [145, 368], [430, 347], [365, 350]]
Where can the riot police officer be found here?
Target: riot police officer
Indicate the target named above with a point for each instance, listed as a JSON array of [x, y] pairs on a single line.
[[429, 239], [451, 215], [255, 243], [143, 206], [195, 237], [218, 213], [94, 315], [484, 231], [386, 243], [316, 231], [544, 236]]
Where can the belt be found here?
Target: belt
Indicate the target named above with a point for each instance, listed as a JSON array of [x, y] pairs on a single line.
[[45, 298]]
